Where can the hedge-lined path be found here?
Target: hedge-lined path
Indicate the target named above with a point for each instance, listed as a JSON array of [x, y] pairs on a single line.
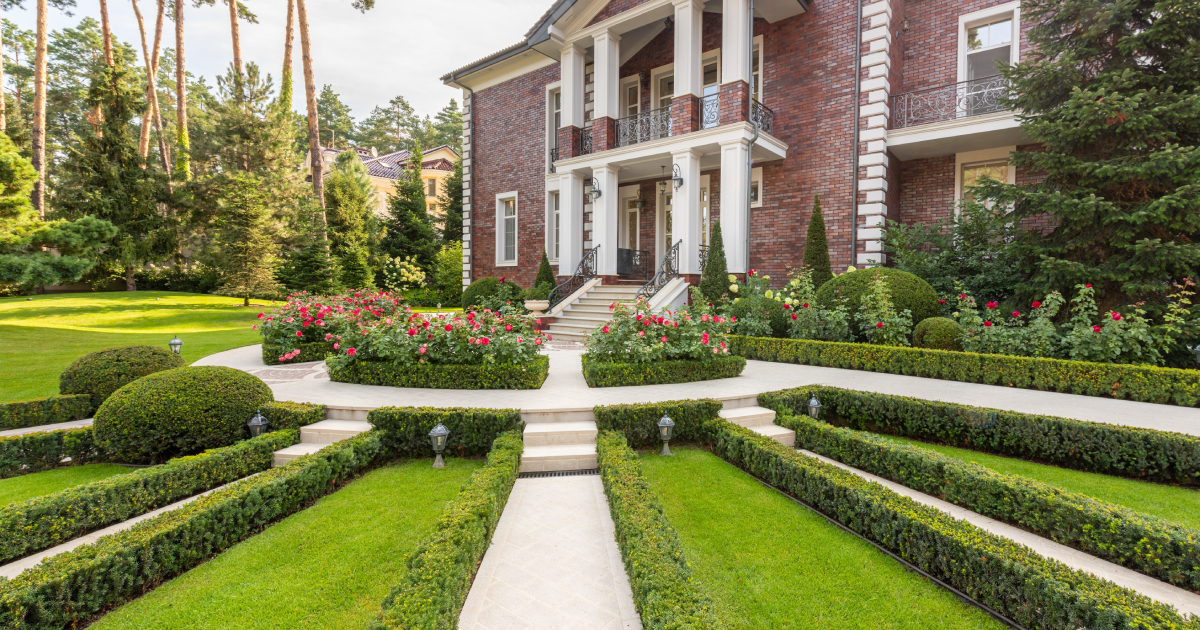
[[565, 390], [553, 563], [59, 426], [1184, 601]]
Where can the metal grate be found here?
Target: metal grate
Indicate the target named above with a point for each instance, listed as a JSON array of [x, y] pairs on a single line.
[[558, 473]]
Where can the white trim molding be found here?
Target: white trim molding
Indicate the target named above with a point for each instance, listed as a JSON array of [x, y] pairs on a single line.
[[501, 232]]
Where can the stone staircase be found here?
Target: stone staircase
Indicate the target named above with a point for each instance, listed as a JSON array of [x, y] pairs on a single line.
[[590, 311], [557, 445], [318, 435], [761, 421]]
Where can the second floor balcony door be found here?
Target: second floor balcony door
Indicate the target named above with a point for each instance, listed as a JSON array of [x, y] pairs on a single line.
[[629, 226], [710, 104]]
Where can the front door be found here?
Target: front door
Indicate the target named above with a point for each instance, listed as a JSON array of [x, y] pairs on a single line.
[[629, 227]]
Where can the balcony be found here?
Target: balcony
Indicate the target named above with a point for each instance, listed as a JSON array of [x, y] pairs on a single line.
[[762, 116], [644, 127], [954, 118], [949, 102]]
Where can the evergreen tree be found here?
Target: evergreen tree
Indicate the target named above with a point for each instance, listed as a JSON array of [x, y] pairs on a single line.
[[356, 269], [448, 275], [409, 231], [545, 273], [348, 201], [311, 268], [248, 253], [1110, 92], [714, 281], [448, 127], [388, 129], [451, 202], [816, 247], [335, 115]]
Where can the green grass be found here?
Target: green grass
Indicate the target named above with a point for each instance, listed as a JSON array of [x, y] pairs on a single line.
[[43, 336], [1169, 502], [771, 563], [17, 489], [326, 567]]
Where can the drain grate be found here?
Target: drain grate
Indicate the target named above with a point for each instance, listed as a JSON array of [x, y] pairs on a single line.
[[557, 473]]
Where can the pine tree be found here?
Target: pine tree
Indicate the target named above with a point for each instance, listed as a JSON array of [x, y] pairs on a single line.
[[248, 253], [311, 268], [714, 282], [545, 273], [451, 202], [348, 201], [409, 231], [356, 270], [816, 247]]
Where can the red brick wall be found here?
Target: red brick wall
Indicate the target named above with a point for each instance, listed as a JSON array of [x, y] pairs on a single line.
[[930, 56], [926, 189]]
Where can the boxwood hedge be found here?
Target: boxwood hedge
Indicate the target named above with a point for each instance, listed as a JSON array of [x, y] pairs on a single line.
[[609, 374], [404, 431], [99, 374], [291, 415], [453, 376], [35, 452], [41, 411], [638, 422]]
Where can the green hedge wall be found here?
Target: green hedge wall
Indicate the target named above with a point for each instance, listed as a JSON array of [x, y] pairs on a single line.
[[638, 422], [311, 351], [98, 374], [664, 589], [1134, 382], [1104, 448], [404, 431], [35, 452], [440, 569], [73, 587], [1028, 588], [486, 376], [291, 415], [1141, 542], [609, 374], [43, 522], [40, 411]]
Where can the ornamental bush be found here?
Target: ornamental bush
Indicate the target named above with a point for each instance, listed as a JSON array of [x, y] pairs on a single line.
[[179, 412], [908, 292], [637, 336], [611, 374], [35, 452], [492, 375], [299, 329], [638, 422], [938, 333], [404, 431], [761, 311], [99, 374], [479, 289], [878, 319]]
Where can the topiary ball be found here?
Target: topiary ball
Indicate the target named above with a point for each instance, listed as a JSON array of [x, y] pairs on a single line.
[[478, 290], [908, 292], [938, 333], [179, 412], [103, 372], [763, 308]]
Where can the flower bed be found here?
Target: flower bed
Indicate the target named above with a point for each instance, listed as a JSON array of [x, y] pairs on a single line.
[[35, 452], [302, 329], [404, 431], [610, 374], [41, 411]]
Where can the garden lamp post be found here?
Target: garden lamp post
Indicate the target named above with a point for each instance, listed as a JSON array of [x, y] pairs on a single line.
[[814, 408], [665, 426], [438, 437], [176, 344], [258, 424]]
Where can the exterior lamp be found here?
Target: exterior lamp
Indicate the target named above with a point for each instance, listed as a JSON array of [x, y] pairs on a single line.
[[176, 344], [676, 177], [438, 437], [665, 426], [641, 203], [595, 192], [258, 424], [814, 408], [662, 180]]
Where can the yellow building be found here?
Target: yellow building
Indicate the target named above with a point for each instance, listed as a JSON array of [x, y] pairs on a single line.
[[437, 164]]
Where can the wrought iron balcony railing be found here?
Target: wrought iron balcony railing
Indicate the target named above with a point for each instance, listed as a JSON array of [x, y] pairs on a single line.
[[703, 257], [762, 115], [584, 271], [643, 127], [949, 102], [585, 141], [710, 111], [553, 157]]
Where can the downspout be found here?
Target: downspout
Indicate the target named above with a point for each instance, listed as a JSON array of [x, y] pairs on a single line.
[[471, 141], [753, 139], [854, 146]]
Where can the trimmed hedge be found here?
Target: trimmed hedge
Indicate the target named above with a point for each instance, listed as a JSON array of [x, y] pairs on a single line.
[[35, 452], [1134, 382], [99, 374], [1092, 446], [404, 431], [441, 568], [609, 374], [449, 376], [73, 587], [638, 422], [938, 333], [311, 351], [665, 591], [1144, 543], [1030, 589], [43, 522], [291, 415], [41, 411]]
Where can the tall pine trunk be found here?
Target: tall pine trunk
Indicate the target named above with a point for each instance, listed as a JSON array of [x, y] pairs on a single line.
[[158, 126], [314, 140], [152, 116], [183, 146], [285, 85], [106, 38], [39, 112], [130, 281], [237, 40], [3, 120]]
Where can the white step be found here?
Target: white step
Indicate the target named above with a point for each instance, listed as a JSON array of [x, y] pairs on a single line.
[[786, 437], [592, 310], [580, 319], [749, 416], [558, 458], [286, 455], [539, 416], [330, 431], [560, 433]]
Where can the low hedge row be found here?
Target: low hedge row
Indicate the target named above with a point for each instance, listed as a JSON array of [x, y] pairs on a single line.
[[441, 568], [609, 374], [291, 415], [1135, 382], [1030, 589], [1141, 542], [69, 589], [311, 351], [404, 431], [1104, 448], [464, 376], [35, 452], [664, 589], [40, 411], [43, 522], [638, 422]]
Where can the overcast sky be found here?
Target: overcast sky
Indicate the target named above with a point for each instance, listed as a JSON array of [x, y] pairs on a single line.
[[401, 47]]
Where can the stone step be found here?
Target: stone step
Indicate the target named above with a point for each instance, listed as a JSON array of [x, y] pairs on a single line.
[[330, 431], [560, 433], [572, 318], [357, 414], [286, 455], [615, 289], [558, 458], [579, 414], [786, 437], [562, 335], [749, 416], [590, 309]]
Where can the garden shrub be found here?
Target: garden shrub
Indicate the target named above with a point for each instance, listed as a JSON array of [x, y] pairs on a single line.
[[879, 321], [600, 373], [545, 273], [760, 310], [1010, 578], [1144, 543], [938, 333], [179, 412], [478, 290], [452, 376], [908, 292], [87, 581], [404, 431], [40, 411], [666, 591], [714, 278], [43, 522], [638, 422], [35, 452], [816, 247], [636, 335], [441, 568], [99, 374], [306, 327], [291, 415], [1091, 446]]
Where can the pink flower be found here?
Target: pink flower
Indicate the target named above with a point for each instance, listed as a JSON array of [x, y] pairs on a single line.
[[1037, 304], [992, 305], [304, 324], [351, 351], [335, 346], [328, 336], [787, 307], [704, 339], [421, 350], [299, 333], [508, 328], [716, 350], [539, 321], [704, 318], [1116, 316], [388, 321], [794, 317], [537, 342], [941, 301], [260, 315], [612, 306], [449, 327], [962, 296], [806, 305], [987, 324], [663, 339], [502, 280], [412, 331], [486, 341], [879, 325], [550, 337], [255, 327], [733, 319], [1087, 286], [520, 339], [1095, 329], [1016, 313], [604, 330], [641, 333], [288, 320]]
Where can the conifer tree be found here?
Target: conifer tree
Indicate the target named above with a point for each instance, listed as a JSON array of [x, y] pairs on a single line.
[[816, 247], [451, 202], [409, 231], [248, 253], [545, 273], [714, 281], [311, 268]]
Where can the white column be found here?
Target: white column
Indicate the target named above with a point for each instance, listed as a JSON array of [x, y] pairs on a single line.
[[685, 210], [873, 119], [608, 67], [570, 209], [689, 18], [735, 41], [604, 219], [735, 201], [572, 87]]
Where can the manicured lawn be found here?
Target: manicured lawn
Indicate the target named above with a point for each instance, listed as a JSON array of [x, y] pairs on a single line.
[[1169, 502], [771, 563], [326, 567], [43, 336], [17, 489]]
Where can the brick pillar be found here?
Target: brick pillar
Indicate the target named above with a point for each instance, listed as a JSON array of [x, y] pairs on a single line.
[[568, 142], [685, 114], [604, 134], [735, 102]]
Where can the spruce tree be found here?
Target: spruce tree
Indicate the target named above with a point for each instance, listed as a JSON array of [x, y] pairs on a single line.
[[451, 202], [714, 282], [248, 253], [545, 273], [409, 231], [348, 201], [311, 268], [816, 247]]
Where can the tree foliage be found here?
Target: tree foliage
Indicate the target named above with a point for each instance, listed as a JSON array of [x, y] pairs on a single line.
[[409, 231], [714, 279], [816, 246], [451, 203], [248, 252]]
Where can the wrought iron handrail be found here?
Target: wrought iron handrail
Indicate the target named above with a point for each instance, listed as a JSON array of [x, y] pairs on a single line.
[[553, 157], [633, 263], [703, 257], [584, 271], [668, 270], [644, 126], [710, 111], [762, 115], [949, 102], [585, 141]]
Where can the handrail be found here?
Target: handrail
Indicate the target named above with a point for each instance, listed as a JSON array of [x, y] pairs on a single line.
[[949, 102], [668, 270], [710, 111], [644, 126], [763, 115], [584, 271], [703, 257]]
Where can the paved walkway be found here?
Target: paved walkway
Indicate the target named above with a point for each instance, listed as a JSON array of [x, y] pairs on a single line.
[[553, 564], [75, 424]]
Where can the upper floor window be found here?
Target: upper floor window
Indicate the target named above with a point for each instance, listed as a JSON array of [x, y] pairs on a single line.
[[506, 228], [431, 187], [666, 90], [633, 99], [555, 114], [989, 46], [756, 70]]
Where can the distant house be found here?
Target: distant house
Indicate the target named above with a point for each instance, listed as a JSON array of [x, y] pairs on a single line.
[[436, 166]]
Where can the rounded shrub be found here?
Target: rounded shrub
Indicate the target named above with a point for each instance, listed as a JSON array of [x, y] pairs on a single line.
[[938, 333], [763, 308], [179, 412], [103, 372], [908, 292], [481, 288]]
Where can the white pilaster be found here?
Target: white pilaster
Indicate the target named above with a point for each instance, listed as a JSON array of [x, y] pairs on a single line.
[[604, 219], [572, 87], [685, 210], [735, 199], [735, 41], [570, 199], [689, 18], [608, 67]]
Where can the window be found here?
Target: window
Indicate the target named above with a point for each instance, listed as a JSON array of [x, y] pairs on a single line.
[[972, 173], [756, 70], [988, 47], [666, 90], [553, 122], [506, 228], [553, 221], [633, 99], [756, 187], [431, 187], [710, 115]]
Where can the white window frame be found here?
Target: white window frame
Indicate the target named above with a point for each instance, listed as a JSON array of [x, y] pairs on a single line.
[[553, 239], [501, 232], [551, 131], [758, 52], [975, 157], [656, 76], [756, 177], [985, 16], [626, 83]]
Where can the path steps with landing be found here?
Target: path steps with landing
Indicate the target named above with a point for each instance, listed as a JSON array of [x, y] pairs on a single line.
[[761, 421], [590, 311], [318, 435]]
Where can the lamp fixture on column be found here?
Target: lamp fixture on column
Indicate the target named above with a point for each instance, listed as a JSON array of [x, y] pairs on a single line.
[[594, 193], [641, 202], [668, 23], [904, 26], [662, 180], [676, 177]]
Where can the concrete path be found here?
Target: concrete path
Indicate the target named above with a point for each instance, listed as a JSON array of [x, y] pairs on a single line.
[[553, 564], [58, 426], [1184, 601]]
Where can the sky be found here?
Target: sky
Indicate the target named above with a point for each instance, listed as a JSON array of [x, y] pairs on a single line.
[[401, 47]]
